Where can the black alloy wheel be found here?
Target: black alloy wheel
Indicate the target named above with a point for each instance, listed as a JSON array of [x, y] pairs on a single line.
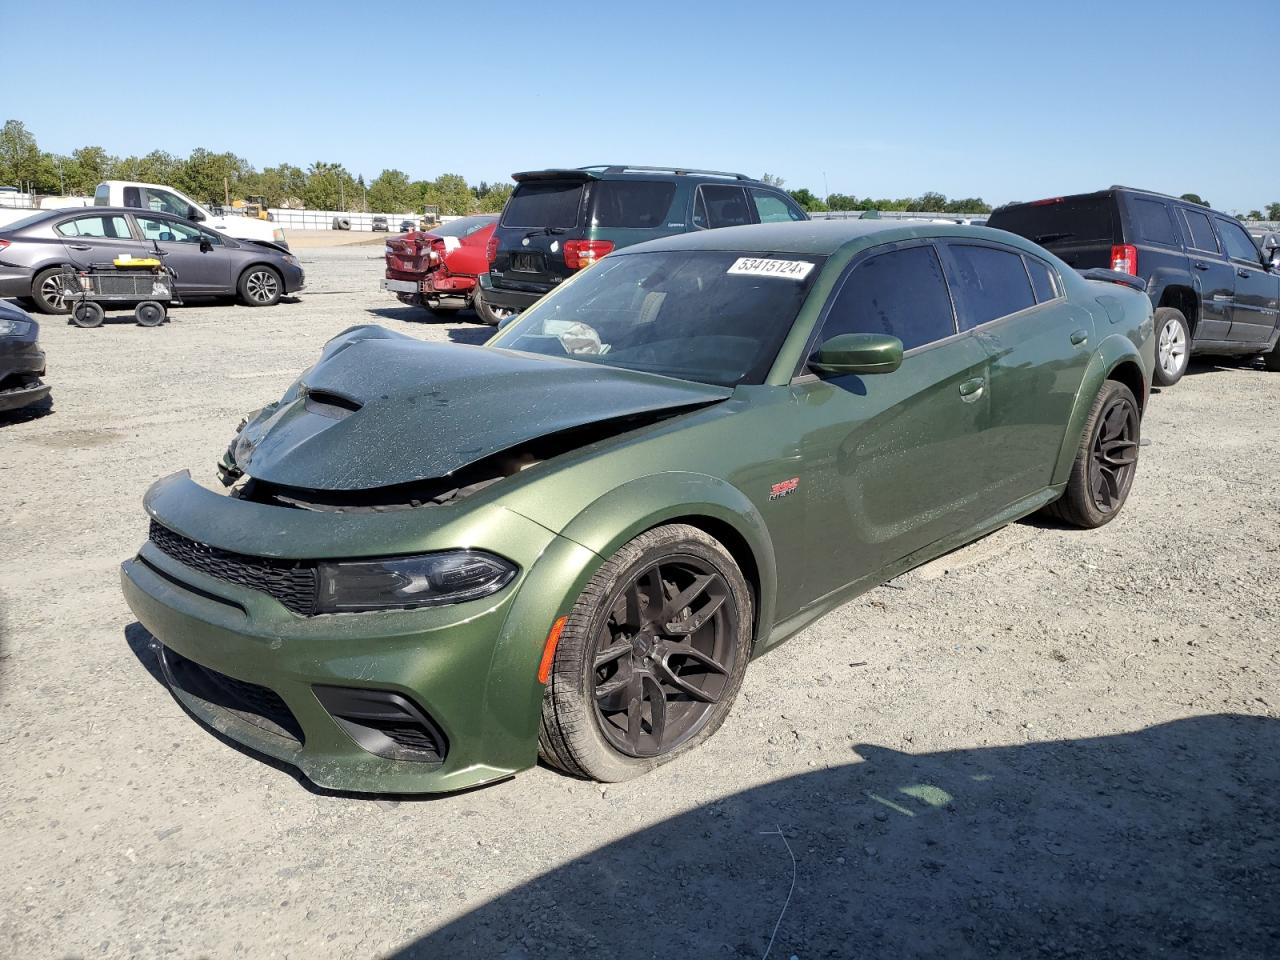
[[1114, 455], [664, 656]]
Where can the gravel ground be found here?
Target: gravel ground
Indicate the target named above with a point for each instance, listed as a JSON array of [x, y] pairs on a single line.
[[1051, 743]]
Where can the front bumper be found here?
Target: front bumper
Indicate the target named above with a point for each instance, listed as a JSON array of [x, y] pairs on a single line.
[[470, 667], [22, 364]]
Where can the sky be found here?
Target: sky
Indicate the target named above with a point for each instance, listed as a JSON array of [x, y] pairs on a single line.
[[999, 99]]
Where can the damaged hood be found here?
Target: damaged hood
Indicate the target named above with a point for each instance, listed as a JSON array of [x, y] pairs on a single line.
[[381, 408]]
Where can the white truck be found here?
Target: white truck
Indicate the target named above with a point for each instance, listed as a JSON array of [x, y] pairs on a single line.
[[154, 196]]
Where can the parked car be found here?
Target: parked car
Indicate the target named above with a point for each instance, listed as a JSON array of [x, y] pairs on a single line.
[[159, 198], [559, 221], [407, 225], [35, 252], [379, 225], [1214, 291], [439, 560], [438, 268], [22, 362]]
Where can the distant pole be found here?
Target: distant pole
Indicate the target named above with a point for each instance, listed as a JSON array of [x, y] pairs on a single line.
[[226, 192], [342, 196], [826, 191]]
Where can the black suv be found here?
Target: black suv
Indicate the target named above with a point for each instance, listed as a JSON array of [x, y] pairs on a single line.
[[558, 221], [1213, 290]]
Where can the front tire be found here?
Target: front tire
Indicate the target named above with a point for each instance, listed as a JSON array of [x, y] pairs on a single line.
[[46, 291], [1106, 462], [490, 314], [260, 286], [650, 658], [1173, 346]]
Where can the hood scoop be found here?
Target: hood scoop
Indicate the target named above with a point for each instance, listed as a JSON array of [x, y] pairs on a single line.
[[381, 409]]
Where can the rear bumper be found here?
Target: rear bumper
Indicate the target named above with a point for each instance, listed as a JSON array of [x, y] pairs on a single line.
[[432, 285], [508, 298]]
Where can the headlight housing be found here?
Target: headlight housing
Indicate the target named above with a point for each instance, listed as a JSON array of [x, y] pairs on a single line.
[[406, 583], [13, 328]]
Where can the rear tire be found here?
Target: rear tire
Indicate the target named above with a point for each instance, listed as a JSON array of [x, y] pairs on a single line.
[[620, 653], [149, 313], [489, 314], [88, 314], [260, 286], [1173, 346], [1106, 462], [46, 291], [1272, 360]]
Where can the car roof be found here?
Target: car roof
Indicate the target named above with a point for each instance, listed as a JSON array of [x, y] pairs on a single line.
[[817, 237], [627, 171]]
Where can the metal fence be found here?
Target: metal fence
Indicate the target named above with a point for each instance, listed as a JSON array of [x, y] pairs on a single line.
[[324, 219]]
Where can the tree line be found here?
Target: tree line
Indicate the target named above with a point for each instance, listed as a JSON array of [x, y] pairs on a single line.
[[209, 177]]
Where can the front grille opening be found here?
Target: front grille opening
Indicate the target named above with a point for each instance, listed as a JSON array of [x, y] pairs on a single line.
[[385, 723], [254, 704], [292, 582]]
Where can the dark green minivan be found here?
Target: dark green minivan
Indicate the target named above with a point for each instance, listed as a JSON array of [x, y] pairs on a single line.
[[559, 221]]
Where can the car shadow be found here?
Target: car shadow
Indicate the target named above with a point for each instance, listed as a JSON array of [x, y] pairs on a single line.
[[471, 334], [406, 314], [1163, 842], [145, 648]]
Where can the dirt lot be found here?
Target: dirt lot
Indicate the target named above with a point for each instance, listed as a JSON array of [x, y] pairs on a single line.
[[1052, 743]]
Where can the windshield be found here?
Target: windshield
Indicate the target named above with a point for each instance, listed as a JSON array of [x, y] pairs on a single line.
[[713, 317], [462, 227]]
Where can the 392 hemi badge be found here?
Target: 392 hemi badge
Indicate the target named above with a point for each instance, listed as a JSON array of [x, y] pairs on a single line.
[[786, 487]]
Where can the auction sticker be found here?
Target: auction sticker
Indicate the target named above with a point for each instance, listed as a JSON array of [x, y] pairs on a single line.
[[762, 267]]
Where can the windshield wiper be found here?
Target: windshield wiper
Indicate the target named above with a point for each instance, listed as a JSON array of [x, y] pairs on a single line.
[[545, 232], [1049, 237]]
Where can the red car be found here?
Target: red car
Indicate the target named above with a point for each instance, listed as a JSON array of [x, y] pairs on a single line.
[[439, 268]]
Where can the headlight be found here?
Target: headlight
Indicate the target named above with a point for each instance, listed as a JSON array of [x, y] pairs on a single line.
[[408, 582], [13, 328]]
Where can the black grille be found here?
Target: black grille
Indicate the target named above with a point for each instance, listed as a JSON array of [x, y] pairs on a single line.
[[252, 703], [292, 582]]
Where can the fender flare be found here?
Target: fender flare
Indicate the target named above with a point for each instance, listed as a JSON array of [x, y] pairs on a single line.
[[1113, 351]]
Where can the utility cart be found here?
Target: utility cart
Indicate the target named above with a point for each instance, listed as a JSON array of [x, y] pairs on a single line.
[[144, 281]]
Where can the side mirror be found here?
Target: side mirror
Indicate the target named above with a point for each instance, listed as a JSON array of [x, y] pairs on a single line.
[[194, 214], [1271, 251], [205, 245], [858, 353]]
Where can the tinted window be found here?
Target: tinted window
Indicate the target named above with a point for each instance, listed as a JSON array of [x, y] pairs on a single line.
[[1043, 281], [1069, 220], [771, 208], [637, 203], [1201, 230], [109, 227], [708, 316], [990, 283], [1238, 243], [552, 203], [901, 293], [168, 230], [721, 207], [1153, 223]]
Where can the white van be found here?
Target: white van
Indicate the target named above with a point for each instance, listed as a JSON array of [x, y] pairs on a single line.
[[154, 196]]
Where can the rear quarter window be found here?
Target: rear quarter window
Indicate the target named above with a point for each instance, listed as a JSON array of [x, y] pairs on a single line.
[[549, 203], [1153, 223], [639, 203]]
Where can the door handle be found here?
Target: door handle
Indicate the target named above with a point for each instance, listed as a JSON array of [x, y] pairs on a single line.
[[1242, 272], [1200, 265], [1079, 337], [971, 390], [79, 246]]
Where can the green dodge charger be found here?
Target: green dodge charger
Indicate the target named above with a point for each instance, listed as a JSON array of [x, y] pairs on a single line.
[[436, 562]]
